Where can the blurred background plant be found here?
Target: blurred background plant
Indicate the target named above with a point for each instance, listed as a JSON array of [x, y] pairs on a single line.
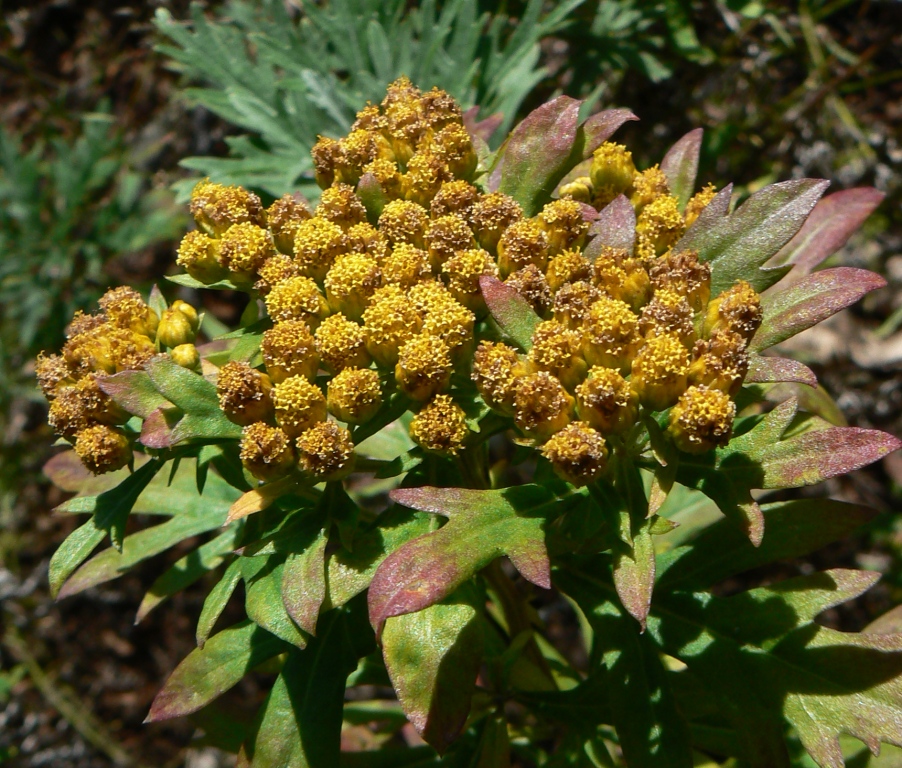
[[240, 89]]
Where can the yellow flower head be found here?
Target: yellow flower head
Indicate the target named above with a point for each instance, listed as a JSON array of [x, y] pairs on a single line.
[[446, 236], [325, 451], [541, 405], [298, 405], [572, 303], [564, 225], [297, 298], [266, 451], [577, 453], [403, 221], [340, 205], [350, 284], [496, 368], [215, 207], [354, 395], [455, 197], [317, 243], [103, 449], [288, 349], [244, 393], [283, 217], [610, 334], [440, 426], [524, 242], [243, 249], [660, 371], [612, 172], [606, 402], [491, 215], [531, 284], [701, 420], [568, 267], [424, 367], [341, 343]]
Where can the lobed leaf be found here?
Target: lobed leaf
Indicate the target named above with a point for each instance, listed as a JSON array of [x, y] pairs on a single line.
[[482, 526], [738, 245], [433, 657], [134, 392], [809, 301], [210, 671], [516, 319], [680, 166]]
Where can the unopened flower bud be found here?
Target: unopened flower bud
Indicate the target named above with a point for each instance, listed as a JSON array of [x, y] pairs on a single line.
[[288, 349], [297, 298], [648, 186], [216, 207], [325, 451], [103, 449], [389, 323], [186, 355], [580, 190], [350, 284], [737, 309], [243, 249], [610, 336], [541, 405], [440, 426], [491, 215], [683, 273], [198, 255], [454, 197], [720, 362], [606, 402], [572, 303], [178, 325], [524, 242], [341, 206], [564, 225], [245, 394], [577, 453], [697, 203], [555, 348], [406, 266], [612, 172], [659, 226], [424, 367], [701, 420], [446, 236], [341, 343], [532, 285], [265, 451], [403, 221], [569, 267], [124, 308], [354, 395], [317, 243], [298, 405], [496, 369], [462, 272], [283, 218], [659, 372]]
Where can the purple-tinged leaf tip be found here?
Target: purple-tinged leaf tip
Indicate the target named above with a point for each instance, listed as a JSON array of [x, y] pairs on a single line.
[[156, 432], [615, 227], [600, 127], [134, 392], [769, 370], [680, 166], [831, 223], [483, 129], [810, 300]]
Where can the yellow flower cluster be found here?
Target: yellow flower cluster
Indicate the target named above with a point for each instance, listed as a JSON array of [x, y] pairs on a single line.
[[122, 336]]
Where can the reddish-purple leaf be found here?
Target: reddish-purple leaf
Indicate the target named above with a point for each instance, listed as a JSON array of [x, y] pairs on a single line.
[[538, 153], [827, 229], [634, 574], [599, 128], [483, 129], [615, 227], [208, 672], [737, 245], [812, 299], [156, 432], [510, 310], [769, 370], [482, 526], [680, 166], [712, 212], [134, 392], [810, 457], [433, 657]]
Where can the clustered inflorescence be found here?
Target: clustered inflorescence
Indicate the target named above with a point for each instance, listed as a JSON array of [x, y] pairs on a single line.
[[390, 301]]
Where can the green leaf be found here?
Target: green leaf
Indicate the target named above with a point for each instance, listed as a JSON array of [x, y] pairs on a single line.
[[192, 514], [516, 319], [134, 392], [263, 599], [739, 244], [216, 600], [433, 657], [76, 548], [809, 301], [482, 526], [768, 370], [651, 729], [210, 671], [188, 569], [494, 746], [794, 529], [680, 166], [304, 582], [300, 722], [189, 282]]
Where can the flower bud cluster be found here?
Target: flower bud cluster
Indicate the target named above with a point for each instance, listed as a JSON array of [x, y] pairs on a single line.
[[122, 336]]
